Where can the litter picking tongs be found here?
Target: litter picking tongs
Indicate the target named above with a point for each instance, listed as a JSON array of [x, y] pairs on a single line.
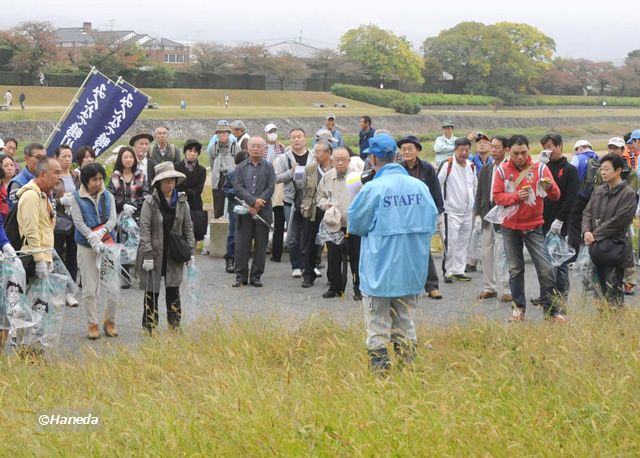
[[256, 216]]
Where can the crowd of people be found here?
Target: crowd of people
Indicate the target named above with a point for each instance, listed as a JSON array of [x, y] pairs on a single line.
[[374, 211]]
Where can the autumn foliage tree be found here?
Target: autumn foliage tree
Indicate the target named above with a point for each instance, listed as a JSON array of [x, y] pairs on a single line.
[[31, 45]]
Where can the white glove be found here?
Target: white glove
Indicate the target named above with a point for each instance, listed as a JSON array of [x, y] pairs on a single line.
[[147, 265], [66, 200], [128, 210], [556, 226], [8, 250], [42, 269], [98, 247], [477, 225], [94, 238]]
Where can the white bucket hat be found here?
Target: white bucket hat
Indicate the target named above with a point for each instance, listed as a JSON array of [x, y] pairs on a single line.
[[166, 170]]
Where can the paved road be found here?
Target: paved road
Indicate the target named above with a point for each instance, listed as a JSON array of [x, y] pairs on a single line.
[[282, 299]]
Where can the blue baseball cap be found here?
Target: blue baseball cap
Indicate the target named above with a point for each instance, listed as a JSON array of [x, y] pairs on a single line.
[[635, 135], [382, 145]]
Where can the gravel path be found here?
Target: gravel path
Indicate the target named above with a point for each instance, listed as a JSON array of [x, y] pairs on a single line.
[[282, 299]]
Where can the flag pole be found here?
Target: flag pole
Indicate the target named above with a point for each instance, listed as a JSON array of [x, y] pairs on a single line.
[[74, 100]]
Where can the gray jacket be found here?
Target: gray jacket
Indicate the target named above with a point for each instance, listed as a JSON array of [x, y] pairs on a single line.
[[152, 239], [222, 160], [283, 166]]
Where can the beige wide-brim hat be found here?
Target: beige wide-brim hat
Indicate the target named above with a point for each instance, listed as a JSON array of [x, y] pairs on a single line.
[[332, 219], [166, 170]]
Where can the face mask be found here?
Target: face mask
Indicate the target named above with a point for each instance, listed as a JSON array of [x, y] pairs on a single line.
[[272, 137]]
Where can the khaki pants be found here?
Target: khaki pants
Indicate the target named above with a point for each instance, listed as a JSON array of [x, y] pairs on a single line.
[[493, 256], [90, 284], [389, 319]]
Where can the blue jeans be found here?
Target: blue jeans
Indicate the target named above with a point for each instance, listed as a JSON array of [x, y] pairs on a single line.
[[514, 241], [231, 235], [562, 279]]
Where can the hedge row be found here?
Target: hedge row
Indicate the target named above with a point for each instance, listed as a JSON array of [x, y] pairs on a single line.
[[576, 100], [390, 98]]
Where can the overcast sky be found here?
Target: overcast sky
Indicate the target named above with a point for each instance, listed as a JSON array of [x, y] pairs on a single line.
[[595, 30]]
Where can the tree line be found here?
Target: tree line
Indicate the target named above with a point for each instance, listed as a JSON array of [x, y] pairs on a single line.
[[503, 59]]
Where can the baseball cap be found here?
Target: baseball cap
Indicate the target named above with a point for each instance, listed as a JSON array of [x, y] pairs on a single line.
[[269, 127], [481, 136], [447, 123], [382, 146], [616, 141], [580, 143], [330, 116], [635, 135]]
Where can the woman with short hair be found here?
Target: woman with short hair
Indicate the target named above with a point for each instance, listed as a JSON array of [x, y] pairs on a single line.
[[193, 185], [7, 172], [94, 215]]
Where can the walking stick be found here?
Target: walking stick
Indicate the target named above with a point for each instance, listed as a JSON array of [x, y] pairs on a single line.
[[256, 216]]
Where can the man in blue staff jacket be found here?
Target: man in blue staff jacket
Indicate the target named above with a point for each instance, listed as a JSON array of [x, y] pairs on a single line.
[[396, 216]]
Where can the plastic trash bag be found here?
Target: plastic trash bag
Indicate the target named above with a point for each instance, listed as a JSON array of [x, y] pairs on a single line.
[[110, 272], [558, 249], [475, 245], [60, 269], [191, 286], [499, 213], [240, 210], [501, 262], [129, 238], [583, 268], [14, 311], [325, 236], [38, 317]]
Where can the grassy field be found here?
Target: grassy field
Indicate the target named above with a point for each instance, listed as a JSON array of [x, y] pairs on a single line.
[[252, 389]]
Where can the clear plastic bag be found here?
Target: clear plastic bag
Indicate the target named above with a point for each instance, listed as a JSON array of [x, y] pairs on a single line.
[[46, 298], [558, 249], [14, 310], [501, 262], [110, 272], [583, 268], [191, 286], [499, 213], [129, 238], [475, 245]]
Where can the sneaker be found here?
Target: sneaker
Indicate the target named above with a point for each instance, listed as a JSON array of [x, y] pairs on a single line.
[[328, 294], [487, 295], [307, 283], [71, 301], [558, 318], [448, 278], [462, 277], [230, 267], [317, 271], [628, 289], [110, 329], [93, 332], [517, 315], [297, 273], [470, 268], [506, 298], [357, 295], [435, 294]]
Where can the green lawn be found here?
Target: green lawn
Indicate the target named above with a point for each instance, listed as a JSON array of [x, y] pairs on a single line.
[[256, 389]]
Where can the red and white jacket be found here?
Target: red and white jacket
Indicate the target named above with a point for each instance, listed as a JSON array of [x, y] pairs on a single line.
[[528, 217]]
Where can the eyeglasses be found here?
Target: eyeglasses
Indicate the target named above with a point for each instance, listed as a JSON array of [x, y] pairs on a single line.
[[340, 161]]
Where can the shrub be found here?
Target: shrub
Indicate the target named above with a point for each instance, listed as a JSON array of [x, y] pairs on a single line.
[[405, 105]]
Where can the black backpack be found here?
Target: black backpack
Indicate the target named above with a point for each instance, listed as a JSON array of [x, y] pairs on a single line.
[[592, 178], [12, 230]]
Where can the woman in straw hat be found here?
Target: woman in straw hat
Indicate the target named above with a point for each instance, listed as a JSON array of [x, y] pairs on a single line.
[[166, 244]]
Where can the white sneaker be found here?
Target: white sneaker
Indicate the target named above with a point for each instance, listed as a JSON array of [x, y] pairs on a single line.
[[297, 273], [72, 301], [317, 271]]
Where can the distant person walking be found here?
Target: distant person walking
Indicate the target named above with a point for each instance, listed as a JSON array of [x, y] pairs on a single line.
[[22, 98], [8, 98], [226, 100]]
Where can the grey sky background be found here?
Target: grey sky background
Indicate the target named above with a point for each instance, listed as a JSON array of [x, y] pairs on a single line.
[[594, 30]]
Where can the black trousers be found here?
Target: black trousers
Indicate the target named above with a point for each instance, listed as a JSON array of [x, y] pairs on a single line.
[[250, 232], [278, 233], [174, 311], [309, 247], [610, 280], [336, 266], [67, 249], [574, 232], [432, 277], [219, 198]]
